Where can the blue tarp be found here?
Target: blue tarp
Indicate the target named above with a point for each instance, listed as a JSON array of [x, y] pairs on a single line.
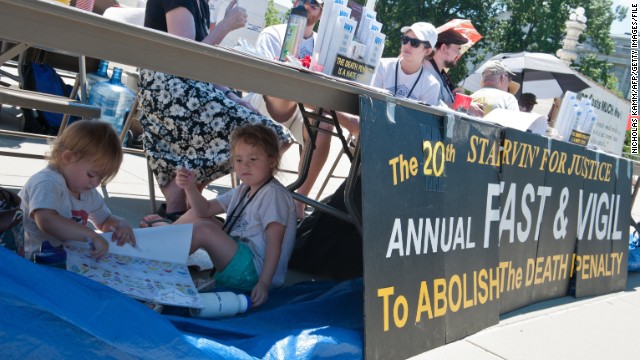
[[51, 313]]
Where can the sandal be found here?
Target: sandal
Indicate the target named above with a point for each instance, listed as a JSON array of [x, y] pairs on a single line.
[[203, 280], [173, 216], [204, 284]]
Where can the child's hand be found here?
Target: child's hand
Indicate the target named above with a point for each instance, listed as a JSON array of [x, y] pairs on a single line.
[[259, 294], [185, 178], [99, 247], [122, 234]]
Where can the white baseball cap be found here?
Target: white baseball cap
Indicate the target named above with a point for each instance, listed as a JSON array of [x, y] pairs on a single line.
[[424, 32]]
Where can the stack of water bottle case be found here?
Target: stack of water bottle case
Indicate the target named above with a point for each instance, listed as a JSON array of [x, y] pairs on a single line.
[[344, 47], [110, 95], [576, 119]]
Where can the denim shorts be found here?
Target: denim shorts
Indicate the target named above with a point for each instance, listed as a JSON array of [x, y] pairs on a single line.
[[240, 274]]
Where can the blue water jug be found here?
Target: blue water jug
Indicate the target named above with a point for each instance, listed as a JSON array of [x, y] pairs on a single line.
[[99, 75], [113, 98]]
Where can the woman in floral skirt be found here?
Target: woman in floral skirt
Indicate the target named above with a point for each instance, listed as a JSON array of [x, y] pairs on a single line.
[[187, 123]]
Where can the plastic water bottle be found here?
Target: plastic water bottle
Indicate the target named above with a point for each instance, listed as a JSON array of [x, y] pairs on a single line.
[[576, 120], [585, 120], [564, 115], [294, 33], [570, 120], [99, 75], [221, 304], [113, 98], [590, 123]]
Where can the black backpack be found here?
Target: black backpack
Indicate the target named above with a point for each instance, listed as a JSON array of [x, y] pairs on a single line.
[[329, 246]]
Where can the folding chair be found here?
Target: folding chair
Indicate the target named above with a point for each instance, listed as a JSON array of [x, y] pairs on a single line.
[[330, 174], [312, 120], [22, 53], [68, 106]]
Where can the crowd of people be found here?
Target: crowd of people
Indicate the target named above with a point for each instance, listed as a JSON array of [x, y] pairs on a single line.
[[195, 132]]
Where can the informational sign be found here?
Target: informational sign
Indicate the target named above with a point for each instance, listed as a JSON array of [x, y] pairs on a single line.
[[354, 70], [255, 20], [612, 113], [578, 137], [466, 220]]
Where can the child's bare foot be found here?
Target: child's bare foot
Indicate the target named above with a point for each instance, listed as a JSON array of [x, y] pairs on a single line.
[[154, 220], [203, 280]]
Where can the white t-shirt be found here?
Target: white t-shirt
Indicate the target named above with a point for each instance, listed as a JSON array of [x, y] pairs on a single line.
[[47, 189], [427, 88], [446, 95], [493, 98], [273, 203]]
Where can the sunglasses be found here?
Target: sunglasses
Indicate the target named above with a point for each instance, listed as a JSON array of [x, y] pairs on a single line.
[[414, 42], [314, 5]]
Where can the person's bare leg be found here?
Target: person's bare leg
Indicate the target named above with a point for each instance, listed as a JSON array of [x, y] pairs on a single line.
[[220, 247], [175, 197], [153, 220], [319, 158], [349, 122], [190, 217], [280, 110]]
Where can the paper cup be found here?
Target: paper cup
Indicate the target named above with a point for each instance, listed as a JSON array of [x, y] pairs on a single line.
[[86, 5], [462, 102]]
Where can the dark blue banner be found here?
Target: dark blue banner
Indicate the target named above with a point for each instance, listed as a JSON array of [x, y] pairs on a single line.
[[465, 220]]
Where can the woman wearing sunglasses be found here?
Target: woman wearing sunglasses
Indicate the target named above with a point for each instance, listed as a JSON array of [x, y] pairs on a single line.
[[404, 76]]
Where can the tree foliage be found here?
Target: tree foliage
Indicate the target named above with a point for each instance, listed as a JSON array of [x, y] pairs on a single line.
[[535, 26], [507, 25], [394, 14], [271, 16], [599, 20], [598, 70]]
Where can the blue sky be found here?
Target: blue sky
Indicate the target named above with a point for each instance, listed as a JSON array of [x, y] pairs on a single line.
[[620, 27]]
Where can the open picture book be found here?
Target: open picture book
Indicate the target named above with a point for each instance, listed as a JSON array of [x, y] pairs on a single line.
[[155, 270]]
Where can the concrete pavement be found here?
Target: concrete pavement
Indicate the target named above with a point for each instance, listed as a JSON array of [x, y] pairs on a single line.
[[595, 328]]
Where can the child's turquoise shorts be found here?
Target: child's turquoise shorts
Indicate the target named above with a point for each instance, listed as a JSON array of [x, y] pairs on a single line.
[[240, 273]]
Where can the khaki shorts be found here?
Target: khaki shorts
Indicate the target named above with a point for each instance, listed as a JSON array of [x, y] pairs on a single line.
[[295, 123]]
